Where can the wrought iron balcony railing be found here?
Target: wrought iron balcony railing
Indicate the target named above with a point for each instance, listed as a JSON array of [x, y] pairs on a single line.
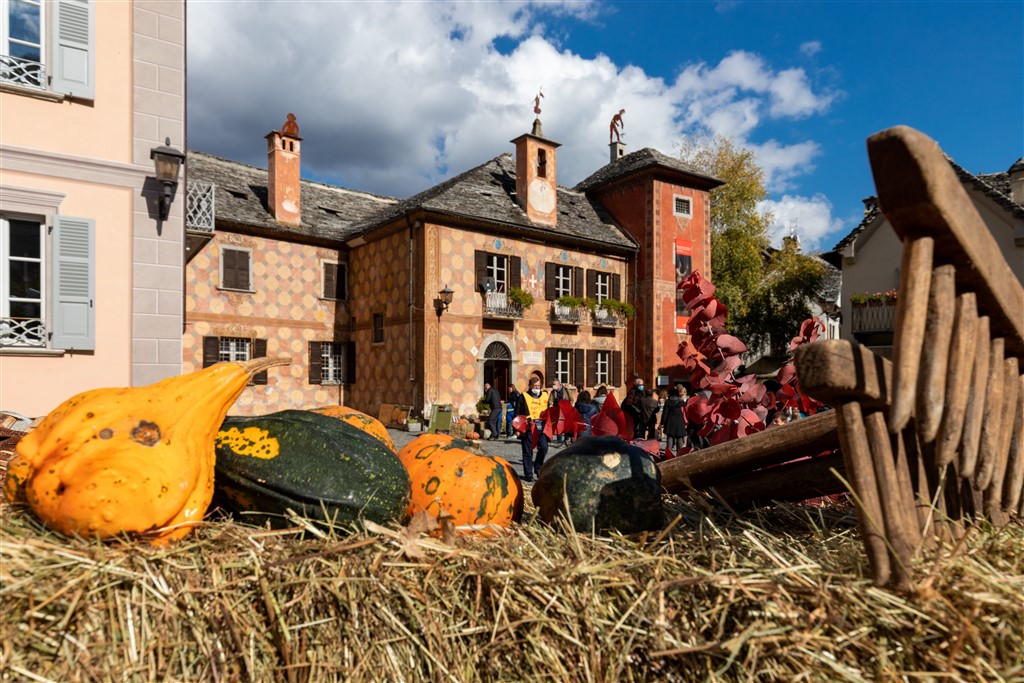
[[201, 205], [871, 318], [24, 72], [602, 317], [497, 305], [566, 315], [22, 332]]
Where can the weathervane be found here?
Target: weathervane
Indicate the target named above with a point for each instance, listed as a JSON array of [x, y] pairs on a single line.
[[536, 102], [616, 126], [290, 127]]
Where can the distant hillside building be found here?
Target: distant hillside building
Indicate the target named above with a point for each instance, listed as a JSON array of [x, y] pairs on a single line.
[[351, 285]]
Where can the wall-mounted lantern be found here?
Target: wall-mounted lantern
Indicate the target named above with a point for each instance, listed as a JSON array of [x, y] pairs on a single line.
[[444, 298], [167, 161]]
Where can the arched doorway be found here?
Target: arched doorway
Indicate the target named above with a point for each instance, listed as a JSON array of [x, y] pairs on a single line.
[[498, 367]]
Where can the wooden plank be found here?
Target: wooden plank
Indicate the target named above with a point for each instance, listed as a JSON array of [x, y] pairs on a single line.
[[976, 407], [861, 475], [809, 436], [898, 514], [1011, 398], [992, 417], [931, 383], [908, 335], [792, 481], [921, 194], [836, 371], [1014, 482], [959, 375]]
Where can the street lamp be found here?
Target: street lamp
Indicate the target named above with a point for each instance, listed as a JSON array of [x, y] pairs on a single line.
[[167, 161], [444, 298]]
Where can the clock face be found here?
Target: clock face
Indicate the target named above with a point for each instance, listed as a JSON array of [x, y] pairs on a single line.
[[541, 196]]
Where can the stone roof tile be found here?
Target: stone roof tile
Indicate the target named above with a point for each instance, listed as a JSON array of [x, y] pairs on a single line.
[[643, 160]]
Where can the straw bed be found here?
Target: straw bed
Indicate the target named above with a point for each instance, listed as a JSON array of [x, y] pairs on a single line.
[[779, 594]]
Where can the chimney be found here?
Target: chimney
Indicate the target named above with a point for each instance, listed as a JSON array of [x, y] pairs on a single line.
[[536, 189], [1016, 174], [283, 173], [870, 204], [617, 150]]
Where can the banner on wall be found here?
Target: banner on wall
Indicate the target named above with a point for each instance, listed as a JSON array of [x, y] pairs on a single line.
[[684, 268]]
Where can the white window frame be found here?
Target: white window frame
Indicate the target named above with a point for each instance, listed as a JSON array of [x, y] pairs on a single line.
[[497, 268], [6, 39], [602, 286], [563, 281], [341, 275], [44, 264], [332, 355], [563, 365], [220, 266], [235, 349], [602, 368], [675, 205]]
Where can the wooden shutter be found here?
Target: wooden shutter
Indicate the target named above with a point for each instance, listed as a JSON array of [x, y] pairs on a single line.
[[480, 264], [592, 368], [341, 292], [578, 377], [616, 287], [515, 271], [549, 281], [616, 378], [73, 71], [330, 281], [316, 362], [259, 350], [211, 351], [550, 365], [73, 284], [577, 283], [350, 363], [591, 284], [234, 268]]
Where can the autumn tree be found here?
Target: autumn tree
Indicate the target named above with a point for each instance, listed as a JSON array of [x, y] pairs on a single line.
[[767, 292]]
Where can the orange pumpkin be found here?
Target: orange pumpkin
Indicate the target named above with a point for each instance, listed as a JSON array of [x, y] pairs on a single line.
[[476, 490], [473, 436], [129, 460], [368, 424]]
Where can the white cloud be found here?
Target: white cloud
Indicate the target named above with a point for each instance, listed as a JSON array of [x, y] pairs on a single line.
[[810, 217], [394, 97], [810, 48]]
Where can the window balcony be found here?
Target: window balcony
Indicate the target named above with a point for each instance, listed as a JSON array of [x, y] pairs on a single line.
[[874, 318], [23, 72], [602, 317], [497, 305], [22, 332], [566, 315]]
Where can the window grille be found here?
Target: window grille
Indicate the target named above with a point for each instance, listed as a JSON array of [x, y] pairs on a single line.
[[201, 206]]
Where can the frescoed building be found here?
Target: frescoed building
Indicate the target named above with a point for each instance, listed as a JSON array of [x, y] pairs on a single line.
[[87, 91], [496, 275]]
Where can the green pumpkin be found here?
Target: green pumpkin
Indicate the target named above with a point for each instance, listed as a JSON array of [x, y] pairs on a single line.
[[605, 483], [320, 467]]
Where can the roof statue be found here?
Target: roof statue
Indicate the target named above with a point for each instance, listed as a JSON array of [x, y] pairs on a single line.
[[616, 126], [290, 127], [536, 102]]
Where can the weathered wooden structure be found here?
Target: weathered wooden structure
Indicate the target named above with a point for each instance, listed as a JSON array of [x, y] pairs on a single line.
[[934, 439]]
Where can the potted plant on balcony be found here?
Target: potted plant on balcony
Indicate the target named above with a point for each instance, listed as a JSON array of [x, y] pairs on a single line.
[[891, 296], [520, 297], [616, 307], [875, 299], [858, 299], [565, 305]]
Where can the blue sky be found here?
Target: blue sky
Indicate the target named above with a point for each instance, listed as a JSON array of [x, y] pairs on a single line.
[[394, 97]]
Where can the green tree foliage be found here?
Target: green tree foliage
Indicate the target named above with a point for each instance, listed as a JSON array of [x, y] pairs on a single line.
[[767, 292]]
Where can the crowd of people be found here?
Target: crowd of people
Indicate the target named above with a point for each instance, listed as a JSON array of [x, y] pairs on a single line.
[[657, 415]]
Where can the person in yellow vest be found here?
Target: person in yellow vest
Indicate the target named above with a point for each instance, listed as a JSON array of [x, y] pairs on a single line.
[[532, 403]]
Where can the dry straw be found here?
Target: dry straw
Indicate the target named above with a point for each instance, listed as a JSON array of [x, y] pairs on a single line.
[[777, 594]]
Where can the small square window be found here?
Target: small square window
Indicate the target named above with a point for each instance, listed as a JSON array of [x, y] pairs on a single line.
[[378, 328], [235, 269], [682, 206]]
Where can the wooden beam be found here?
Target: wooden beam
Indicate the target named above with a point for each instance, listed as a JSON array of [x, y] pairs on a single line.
[[836, 371], [921, 195], [792, 481], [700, 469]]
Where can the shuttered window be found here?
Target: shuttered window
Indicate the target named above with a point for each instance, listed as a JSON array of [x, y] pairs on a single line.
[[602, 367], [235, 269], [335, 281], [327, 362], [235, 349], [497, 272]]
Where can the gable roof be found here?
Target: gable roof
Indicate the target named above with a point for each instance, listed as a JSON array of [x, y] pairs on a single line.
[[995, 186], [328, 212], [487, 194], [646, 160]]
